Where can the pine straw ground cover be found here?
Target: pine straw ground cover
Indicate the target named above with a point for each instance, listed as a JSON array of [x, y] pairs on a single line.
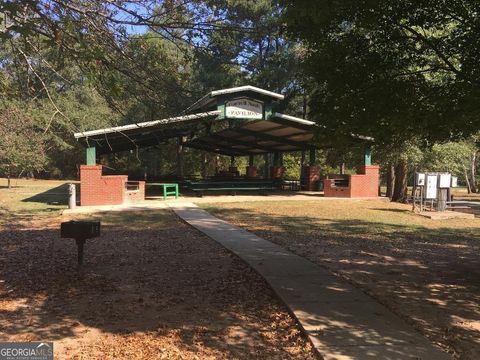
[[426, 271], [152, 288]]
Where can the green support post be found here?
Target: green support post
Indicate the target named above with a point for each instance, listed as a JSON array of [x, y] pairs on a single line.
[[91, 155], [276, 158], [313, 156], [221, 107], [250, 160], [368, 156], [268, 109]]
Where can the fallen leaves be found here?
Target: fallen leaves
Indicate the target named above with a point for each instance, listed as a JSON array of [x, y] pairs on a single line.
[[156, 291]]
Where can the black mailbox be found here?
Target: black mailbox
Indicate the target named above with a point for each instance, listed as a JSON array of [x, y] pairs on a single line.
[[80, 231]]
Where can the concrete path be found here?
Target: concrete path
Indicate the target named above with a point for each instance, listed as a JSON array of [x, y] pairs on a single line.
[[340, 320], [159, 203]]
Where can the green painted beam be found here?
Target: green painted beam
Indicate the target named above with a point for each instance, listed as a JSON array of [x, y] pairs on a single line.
[[91, 155]]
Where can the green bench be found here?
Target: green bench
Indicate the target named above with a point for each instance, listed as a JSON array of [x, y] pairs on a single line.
[[231, 186], [167, 189]]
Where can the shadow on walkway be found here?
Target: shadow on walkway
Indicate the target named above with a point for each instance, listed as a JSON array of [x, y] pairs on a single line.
[[428, 276]]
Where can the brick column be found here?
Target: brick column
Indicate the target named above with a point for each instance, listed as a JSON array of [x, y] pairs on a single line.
[[90, 182], [366, 183], [369, 170], [251, 172], [311, 177], [277, 172]]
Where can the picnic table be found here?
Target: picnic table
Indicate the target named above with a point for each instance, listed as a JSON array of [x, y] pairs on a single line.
[[168, 189]]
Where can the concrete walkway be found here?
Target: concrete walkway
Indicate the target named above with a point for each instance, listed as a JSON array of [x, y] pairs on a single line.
[[159, 203], [340, 320]]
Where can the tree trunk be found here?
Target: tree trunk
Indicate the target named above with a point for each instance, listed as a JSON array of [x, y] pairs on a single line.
[[9, 182], [473, 183], [266, 166], [414, 187], [217, 164], [204, 164], [400, 188], [390, 181], [467, 181], [180, 163]]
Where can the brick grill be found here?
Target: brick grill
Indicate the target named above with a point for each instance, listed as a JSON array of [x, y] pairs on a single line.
[[98, 189], [364, 184]]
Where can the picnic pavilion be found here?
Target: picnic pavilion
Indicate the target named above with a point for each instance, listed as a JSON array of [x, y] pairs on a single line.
[[236, 122]]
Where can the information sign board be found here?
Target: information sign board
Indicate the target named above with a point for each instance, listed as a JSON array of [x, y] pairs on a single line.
[[431, 187]]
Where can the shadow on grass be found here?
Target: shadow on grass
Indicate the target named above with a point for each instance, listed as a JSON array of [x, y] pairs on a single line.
[[404, 211], [57, 195], [428, 276], [148, 273]]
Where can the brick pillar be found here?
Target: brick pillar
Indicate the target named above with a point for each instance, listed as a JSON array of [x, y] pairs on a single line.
[[311, 176], [251, 171], [277, 172], [370, 183], [373, 170], [90, 182]]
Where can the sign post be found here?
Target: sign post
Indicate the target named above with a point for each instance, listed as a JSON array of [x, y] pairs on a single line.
[[435, 187]]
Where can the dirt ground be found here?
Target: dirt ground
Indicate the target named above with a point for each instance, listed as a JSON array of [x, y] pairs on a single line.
[[424, 270], [151, 287]]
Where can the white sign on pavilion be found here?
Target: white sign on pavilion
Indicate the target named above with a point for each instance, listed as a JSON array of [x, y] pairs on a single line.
[[244, 109]]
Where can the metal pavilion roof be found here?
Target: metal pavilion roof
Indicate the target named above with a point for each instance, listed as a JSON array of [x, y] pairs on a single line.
[[205, 127], [145, 134], [209, 100], [278, 133]]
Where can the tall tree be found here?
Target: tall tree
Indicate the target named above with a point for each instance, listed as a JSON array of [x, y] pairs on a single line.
[[394, 70], [21, 145]]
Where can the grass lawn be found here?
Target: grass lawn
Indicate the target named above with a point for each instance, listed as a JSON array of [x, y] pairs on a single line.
[[32, 198], [152, 287], [424, 270]]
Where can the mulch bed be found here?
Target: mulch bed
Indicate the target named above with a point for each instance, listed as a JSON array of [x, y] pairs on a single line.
[[158, 290]]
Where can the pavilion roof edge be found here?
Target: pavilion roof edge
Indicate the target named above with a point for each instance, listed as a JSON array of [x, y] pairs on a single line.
[[146, 124]]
